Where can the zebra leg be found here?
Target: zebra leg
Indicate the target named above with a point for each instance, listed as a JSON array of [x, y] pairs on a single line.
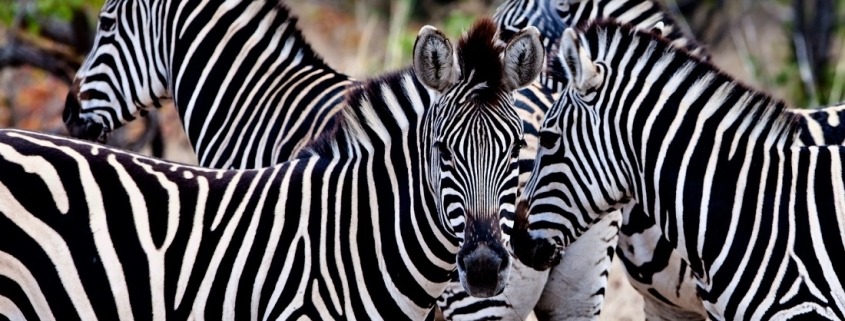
[[515, 303], [576, 286]]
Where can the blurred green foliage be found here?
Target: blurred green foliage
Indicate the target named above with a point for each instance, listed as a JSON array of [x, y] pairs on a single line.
[[39, 9], [454, 25], [787, 77]]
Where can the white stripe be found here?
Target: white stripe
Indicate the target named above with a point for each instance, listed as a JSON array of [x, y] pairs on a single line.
[[243, 252], [10, 310], [194, 240], [54, 246], [15, 270], [39, 166]]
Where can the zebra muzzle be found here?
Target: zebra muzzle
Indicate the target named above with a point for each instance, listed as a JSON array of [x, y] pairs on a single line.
[[81, 128], [484, 269], [72, 109]]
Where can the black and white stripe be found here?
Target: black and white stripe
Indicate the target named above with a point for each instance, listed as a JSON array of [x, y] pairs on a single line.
[[651, 269], [274, 104], [379, 213], [715, 164], [208, 57], [654, 269], [821, 126], [640, 14]]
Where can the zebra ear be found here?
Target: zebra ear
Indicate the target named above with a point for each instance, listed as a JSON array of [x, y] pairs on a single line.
[[580, 69], [523, 59], [434, 62]]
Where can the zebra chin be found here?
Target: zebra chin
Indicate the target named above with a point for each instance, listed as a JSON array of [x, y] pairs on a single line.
[[82, 128], [483, 268]]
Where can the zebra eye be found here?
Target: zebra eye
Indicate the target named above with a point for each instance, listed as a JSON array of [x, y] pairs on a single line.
[[548, 139], [106, 23], [444, 152], [562, 8], [516, 148]]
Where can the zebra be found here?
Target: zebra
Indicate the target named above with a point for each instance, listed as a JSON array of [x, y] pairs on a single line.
[[626, 133], [378, 230], [657, 271], [253, 55], [295, 58], [653, 269], [287, 96]]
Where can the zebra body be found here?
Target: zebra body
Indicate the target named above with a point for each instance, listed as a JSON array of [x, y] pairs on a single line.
[[375, 228], [712, 162]]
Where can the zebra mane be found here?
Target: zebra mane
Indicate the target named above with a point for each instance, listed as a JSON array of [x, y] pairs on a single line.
[[775, 109], [658, 9], [364, 99], [479, 51], [555, 68], [305, 47]]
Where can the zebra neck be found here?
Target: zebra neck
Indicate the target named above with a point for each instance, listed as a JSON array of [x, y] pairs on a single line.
[[641, 14], [384, 120], [244, 66]]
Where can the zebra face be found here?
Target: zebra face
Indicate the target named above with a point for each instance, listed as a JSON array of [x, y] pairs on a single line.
[[576, 177], [121, 76], [476, 136]]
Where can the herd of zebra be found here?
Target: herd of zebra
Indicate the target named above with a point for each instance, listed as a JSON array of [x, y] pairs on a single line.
[[545, 142]]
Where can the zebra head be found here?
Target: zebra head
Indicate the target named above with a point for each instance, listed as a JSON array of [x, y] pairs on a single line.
[[122, 76], [577, 176], [514, 15], [474, 142]]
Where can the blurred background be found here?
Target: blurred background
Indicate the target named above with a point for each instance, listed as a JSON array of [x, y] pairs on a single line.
[[793, 49]]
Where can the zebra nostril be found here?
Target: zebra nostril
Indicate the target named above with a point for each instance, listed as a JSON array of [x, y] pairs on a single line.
[[94, 132]]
